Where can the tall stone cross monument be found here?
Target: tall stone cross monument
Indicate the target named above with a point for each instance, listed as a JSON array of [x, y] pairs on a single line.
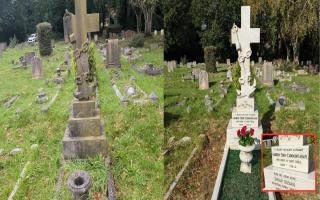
[[82, 24], [84, 136], [245, 113]]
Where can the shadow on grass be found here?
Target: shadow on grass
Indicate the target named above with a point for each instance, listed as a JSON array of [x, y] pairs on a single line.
[[169, 117], [266, 119], [212, 83]]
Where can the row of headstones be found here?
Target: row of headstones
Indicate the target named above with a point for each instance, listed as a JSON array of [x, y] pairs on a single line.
[[155, 32]]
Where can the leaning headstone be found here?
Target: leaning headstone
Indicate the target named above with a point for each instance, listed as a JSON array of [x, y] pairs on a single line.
[[245, 112], [267, 74], [28, 57], [203, 80], [292, 165], [67, 26], [37, 70], [113, 53]]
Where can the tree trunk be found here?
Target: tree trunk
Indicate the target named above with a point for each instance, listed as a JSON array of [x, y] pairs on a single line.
[[148, 13], [288, 52], [296, 51], [138, 17]]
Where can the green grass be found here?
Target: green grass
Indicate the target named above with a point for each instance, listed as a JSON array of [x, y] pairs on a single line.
[[134, 133], [238, 185], [179, 123]]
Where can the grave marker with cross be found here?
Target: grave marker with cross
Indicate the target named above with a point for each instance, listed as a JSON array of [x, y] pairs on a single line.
[[82, 23], [242, 38]]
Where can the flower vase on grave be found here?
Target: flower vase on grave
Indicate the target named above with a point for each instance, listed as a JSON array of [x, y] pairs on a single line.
[[246, 146]]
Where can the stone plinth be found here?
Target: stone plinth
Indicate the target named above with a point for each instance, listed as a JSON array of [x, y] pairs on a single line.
[[84, 136], [282, 179]]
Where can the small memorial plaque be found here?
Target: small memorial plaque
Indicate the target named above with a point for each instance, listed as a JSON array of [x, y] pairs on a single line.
[[249, 119], [292, 157]]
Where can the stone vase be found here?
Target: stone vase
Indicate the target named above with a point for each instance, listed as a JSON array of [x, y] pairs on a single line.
[[246, 157]]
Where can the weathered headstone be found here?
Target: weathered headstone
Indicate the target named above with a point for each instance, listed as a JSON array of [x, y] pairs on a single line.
[[84, 136], [228, 62], [245, 113], [95, 37], [292, 165], [37, 70], [113, 53], [203, 80], [67, 26], [128, 34], [267, 73], [260, 60], [3, 46], [28, 57], [162, 32], [155, 33], [171, 65], [229, 75]]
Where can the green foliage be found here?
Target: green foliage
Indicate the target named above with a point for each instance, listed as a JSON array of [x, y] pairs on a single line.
[[13, 41], [92, 62], [218, 16], [236, 73], [44, 38], [210, 58], [73, 61], [286, 66], [137, 41], [253, 74]]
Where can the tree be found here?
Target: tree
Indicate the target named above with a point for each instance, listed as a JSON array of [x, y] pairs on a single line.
[[213, 21], [148, 8], [296, 19], [138, 12]]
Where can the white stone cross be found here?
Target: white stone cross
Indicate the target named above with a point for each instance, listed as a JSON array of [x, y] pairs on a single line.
[[242, 38], [246, 35]]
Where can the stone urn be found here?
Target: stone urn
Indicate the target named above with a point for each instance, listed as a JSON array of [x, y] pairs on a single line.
[[246, 157]]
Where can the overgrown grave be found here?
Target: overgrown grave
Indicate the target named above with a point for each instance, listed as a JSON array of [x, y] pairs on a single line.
[[136, 129], [84, 136]]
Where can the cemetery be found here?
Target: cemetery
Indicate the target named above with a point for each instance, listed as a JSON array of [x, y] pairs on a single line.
[[65, 134], [213, 151]]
